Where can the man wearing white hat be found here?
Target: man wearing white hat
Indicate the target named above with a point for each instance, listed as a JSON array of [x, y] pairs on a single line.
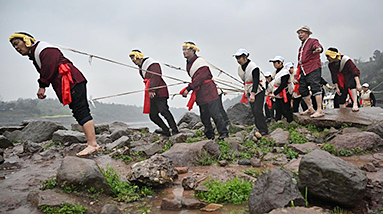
[[309, 71], [280, 90], [367, 98], [254, 88]]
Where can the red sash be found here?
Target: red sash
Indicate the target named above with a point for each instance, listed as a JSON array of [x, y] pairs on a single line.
[[193, 96], [66, 80], [296, 86], [244, 98], [283, 94], [147, 97], [340, 80], [268, 102]]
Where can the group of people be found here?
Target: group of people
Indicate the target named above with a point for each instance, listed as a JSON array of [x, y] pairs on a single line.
[[284, 90]]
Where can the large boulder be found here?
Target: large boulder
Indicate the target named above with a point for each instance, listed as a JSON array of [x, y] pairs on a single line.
[[240, 114], [331, 178], [363, 141], [190, 118], [4, 142], [82, 174], [186, 154], [274, 189], [155, 171], [39, 131], [68, 137], [377, 128]]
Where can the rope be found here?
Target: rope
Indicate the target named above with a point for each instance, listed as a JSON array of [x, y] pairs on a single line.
[[222, 71], [91, 56]]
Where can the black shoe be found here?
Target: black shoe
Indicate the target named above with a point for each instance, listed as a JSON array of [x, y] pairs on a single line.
[[161, 131], [211, 137], [223, 136], [174, 132]]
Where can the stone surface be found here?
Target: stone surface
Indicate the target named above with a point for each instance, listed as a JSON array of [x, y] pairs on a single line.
[[119, 133], [68, 137], [303, 148], [4, 129], [331, 178], [49, 198], [280, 137], [189, 118], [171, 204], [82, 173], [369, 167], [244, 162], [296, 210], [103, 139], [274, 189], [39, 131], [343, 116], [189, 182], [255, 162], [212, 207], [155, 171], [149, 149], [181, 137], [348, 130], [12, 136], [377, 128], [363, 141], [181, 170], [4, 142], [240, 114], [192, 203], [110, 209], [122, 141], [186, 154], [30, 147], [212, 148]]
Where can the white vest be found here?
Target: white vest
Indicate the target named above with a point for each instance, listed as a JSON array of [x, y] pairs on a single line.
[[343, 62], [40, 47], [278, 78], [198, 63], [365, 98], [147, 63], [247, 77]]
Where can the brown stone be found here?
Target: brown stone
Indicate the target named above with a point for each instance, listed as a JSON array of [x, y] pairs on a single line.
[[171, 204], [181, 170], [212, 207], [255, 162], [192, 203], [369, 167], [303, 148], [296, 210]]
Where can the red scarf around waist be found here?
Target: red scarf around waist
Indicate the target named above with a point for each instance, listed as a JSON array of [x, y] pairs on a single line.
[[268, 102], [244, 98], [147, 97], [340, 80], [296, 85], [66, 80], [193, 96], [282, 94]]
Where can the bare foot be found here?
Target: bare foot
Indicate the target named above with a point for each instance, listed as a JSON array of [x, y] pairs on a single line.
[[355, 109], [317, 114], [88, 151], [308, 111]]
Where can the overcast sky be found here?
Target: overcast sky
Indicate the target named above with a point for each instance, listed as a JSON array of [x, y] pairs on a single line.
[[158, 28]]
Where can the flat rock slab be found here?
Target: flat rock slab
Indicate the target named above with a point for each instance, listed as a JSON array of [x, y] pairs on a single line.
[[49, 198], [297, 210], [339, 117]]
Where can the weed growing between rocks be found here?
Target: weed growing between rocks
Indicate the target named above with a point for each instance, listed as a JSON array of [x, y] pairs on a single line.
[[226, 154], [126, 158], [254, 172], [64, 208], [49, 183], [167, 146], [297, 138], [290, 154], [343, 152], [124, 191], [235, 191], [206, 159]]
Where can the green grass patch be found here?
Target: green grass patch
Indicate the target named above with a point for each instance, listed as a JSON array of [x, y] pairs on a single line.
[[343, 152], [49, 183], [235, 191], [254, 172], [65, 208], [206, 159], [297, 138], [126, 158], [226, 153], [167, 146], [124, 191], [192, 139], [199, 133], [290, 154]]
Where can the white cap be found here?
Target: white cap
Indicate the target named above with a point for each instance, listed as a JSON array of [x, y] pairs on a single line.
[[366, 85], [277, 58], [289, 65], [240, 52], [267, 74]]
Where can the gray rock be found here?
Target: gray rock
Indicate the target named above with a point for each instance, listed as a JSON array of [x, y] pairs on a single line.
[[137, 143], [117, 125], [103, 139], [119, 133], [198, 126], [83, 174], [349, 130], [30, 147], [4, 142], [186, 154], [236, 140], [4, 129], [274, 189], [280, 137], [192, 203], [297, 210], [241, 134], [102, 128], [331, 178], [377, 128], [190, 118], [149, 149], [189, 182], [68, 137], [212, 148], [255, 162], [110, 209], [12, 136], [244, 162], [39, 131], [155, 171], [171, 204], [181, 137], [73, 149], [76, 127], [369, 167], [303, 148], [363, 141], [240, 114], [49, 197], [122, 141]]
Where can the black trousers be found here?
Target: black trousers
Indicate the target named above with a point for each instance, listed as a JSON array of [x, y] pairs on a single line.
[[269, 113], [299, 101], [79, 105], [283, 108], [257, 110], [160, 105], [223, 112], [212, 110]]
